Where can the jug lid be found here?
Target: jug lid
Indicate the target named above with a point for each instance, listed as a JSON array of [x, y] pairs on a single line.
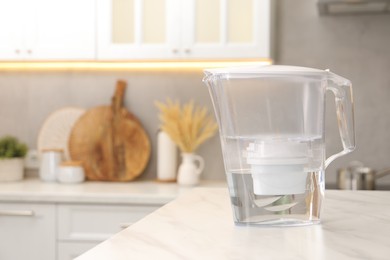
[[266, 70]]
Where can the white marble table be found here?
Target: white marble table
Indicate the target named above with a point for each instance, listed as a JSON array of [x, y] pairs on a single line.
[[199, 225]]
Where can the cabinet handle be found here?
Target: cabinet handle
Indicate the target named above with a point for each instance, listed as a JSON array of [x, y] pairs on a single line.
[[21, 213], [187, 50], [29, 51], [175, 50], [17, 51], [124, 225]]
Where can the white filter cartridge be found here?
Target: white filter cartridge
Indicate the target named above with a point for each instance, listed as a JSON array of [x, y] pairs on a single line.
[[278, 180], [278, 168]]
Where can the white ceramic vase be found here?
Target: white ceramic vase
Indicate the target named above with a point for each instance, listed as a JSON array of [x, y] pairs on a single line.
[[167, 154], [11, 169], [190, 169]]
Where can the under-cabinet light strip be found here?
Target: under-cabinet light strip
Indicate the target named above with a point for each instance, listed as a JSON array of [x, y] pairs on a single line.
[[163, 65]]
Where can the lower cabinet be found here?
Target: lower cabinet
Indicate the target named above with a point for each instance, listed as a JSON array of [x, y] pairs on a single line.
[[71, 250], [80, 227], [27, 231], [61, 231]]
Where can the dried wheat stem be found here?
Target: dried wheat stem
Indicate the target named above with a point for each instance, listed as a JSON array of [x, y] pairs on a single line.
[[187, 125]]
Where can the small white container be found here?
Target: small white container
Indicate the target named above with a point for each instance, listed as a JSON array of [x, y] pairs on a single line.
[[50, 160], [71, 172]]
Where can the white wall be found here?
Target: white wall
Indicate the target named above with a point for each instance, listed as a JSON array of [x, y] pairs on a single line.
[[356, 47]]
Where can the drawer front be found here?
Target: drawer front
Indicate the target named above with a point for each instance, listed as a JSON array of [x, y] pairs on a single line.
[[71, 250], [97, 222], [27, 231]]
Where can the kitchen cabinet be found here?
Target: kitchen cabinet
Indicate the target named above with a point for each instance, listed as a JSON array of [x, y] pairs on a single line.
[[26, 229], [47, 30], [71, 250], [77, 233], [55, 221], [71, 219], [64, 230], [136, 29], [183, 29]]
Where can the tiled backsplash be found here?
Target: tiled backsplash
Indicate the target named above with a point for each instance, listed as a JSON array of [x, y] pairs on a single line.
[[27, 98]]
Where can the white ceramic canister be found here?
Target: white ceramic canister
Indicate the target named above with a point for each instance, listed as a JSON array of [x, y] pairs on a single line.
[[167, 160], [50, 160], [71, 172]]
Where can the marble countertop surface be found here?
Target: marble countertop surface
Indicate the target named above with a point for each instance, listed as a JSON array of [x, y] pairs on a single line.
[[199, 225], [136, 192]]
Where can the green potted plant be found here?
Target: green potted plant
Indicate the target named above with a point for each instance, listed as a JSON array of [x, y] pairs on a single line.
[[12, 154]]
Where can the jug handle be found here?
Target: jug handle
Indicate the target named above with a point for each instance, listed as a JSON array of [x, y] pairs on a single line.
[[342, 90], [200, 161]]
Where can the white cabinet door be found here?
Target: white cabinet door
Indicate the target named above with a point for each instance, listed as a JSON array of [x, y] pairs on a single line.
[[80, 227], [137, 29], [27, 231], [11, 29], [63, 30], [226, 29], [71, 250], [183, 29], [96, 223], [47, 29]]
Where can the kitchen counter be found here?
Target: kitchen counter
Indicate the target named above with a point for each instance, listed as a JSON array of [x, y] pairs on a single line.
[[70, 219], [136, 192], [199, 225]]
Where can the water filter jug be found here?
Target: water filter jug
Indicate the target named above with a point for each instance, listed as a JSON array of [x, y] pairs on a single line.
[[271, 123]]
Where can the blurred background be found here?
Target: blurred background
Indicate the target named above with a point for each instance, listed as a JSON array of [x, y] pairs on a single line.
[[356, 46]]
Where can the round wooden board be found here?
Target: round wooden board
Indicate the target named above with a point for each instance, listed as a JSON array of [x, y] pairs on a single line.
[[118, 152]]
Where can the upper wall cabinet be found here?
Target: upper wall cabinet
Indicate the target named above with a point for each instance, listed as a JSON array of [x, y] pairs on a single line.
[[47, 29], [183, 29], [136, 29]]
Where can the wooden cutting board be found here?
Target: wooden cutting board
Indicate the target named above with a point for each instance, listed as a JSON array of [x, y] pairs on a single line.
[[110, 141]]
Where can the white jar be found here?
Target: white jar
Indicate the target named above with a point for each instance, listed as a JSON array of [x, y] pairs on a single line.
[[167, 154], [50, 160], [71, 172]]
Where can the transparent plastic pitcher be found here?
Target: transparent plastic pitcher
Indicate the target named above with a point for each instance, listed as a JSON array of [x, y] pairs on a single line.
[[271, 123]]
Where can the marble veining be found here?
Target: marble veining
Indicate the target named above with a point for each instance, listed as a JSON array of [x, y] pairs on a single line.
[[199, 225]]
